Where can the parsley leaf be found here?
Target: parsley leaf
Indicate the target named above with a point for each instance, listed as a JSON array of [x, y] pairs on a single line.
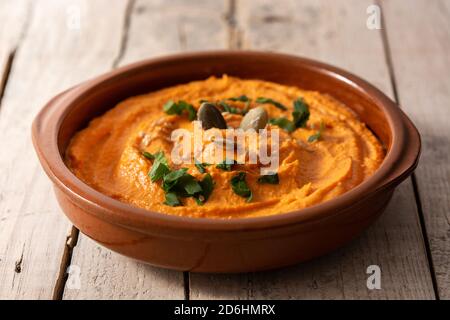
[[300, 116], [226, 165], [270, 179], [148, 155], [190, 185], [240, 187], [171, 107], [207, 185], [172, 200], [301, 113], [179, 183], [172, 178], [242, 98], [160, 167], [201, 166], [318, 135], [277, 104], [230, 109], [283, 123]]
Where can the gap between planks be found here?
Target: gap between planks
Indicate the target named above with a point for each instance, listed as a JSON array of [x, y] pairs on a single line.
[[234, 33], [72, 239], [6, 73], [391, 69], [12, 54]]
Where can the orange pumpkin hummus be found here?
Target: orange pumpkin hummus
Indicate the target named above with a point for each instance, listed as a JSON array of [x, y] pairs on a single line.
[[108, 154]]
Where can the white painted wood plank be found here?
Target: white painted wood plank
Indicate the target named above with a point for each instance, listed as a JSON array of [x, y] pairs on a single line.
[[107, 275], [13, 15], [419, 36], [160, 27], [156, 28], [53, 55], [334, 32]]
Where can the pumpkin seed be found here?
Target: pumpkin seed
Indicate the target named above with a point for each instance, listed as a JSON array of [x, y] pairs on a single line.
[[211, 117], [255, 119]]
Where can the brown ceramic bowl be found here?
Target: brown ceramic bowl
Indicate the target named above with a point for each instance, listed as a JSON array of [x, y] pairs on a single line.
[[218, 245]]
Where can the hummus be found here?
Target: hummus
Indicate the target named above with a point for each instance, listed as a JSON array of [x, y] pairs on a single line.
[[331, 154]]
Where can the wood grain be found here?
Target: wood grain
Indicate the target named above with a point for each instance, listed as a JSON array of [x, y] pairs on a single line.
[[419, 38], [194, 25], [334, 32], [13, 15], [52, 56], [40, 44]]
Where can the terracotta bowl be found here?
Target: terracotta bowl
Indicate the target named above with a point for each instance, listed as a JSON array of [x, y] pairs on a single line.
[[218, 245]]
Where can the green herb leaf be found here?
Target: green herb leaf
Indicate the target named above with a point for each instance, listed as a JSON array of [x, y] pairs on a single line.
[[171, 179], [230, 109], [148, 155], [277, 104], [301, 113], [270, 179], [190, 185], [240, 187], [242, 98], [207, 185], [160, 167], [171, 107], [172, 200], [226, 165], [201, 166], [318, 135], [283, 123], [179, 183]]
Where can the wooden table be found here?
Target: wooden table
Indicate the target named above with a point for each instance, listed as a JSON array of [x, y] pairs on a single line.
[[48, 46]]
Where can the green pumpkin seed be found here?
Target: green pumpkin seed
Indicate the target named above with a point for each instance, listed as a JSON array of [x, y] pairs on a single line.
[[255, 119], [210, 117]]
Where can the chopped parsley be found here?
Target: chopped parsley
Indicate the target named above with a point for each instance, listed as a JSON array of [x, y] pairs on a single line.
[[318, 135], [242, 98], [284, 123], [230, 109], [201, 166], [179, 183], [207, 185], [269, 178], [148, 155], [301, 113], [160, 167], [172, 200], [277, 104], [300, 117], [240, 187], [171, 107], [226, 165]]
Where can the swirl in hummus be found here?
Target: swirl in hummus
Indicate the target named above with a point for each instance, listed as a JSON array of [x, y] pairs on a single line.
[[331, 154]]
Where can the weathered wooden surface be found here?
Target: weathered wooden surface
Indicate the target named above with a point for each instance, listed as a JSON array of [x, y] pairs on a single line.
[[41, 42], [419, 38], [13, 15], [193, 25], [52, 56], [334, 32]]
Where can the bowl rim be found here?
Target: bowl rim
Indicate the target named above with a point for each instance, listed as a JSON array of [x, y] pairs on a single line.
[[400, 160]]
